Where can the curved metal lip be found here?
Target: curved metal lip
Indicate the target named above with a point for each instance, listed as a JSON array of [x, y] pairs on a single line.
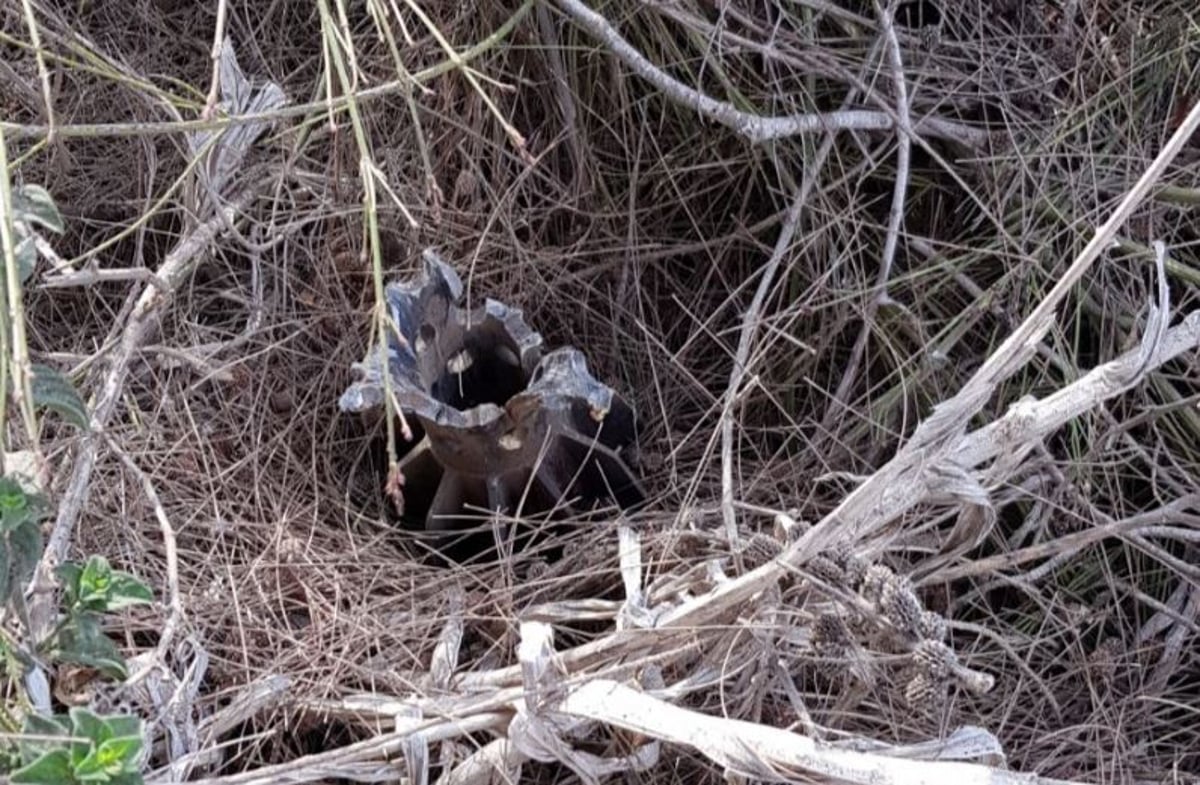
[[549, 424]]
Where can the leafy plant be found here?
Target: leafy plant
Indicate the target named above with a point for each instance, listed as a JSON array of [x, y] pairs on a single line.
[[52, 390], [21, 514], [33, 206], [32, 209], [90, 590], [80, 747]]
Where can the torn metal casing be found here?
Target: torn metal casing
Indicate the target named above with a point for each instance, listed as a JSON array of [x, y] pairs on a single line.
[[506, 427]]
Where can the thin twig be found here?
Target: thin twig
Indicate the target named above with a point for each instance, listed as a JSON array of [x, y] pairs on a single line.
[[895, 219], [19, 373], [94, 275], [174, 602], [324, 765], [749, 330], [764, 753], [1067, 544], [214, 88], [759, 128], [35, 38], [750, 322], [906, 480], [175, 268], [99, 130], [894, 489]]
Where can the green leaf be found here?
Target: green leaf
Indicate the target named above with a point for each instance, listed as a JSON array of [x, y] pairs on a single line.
[[52, 390], [95, 584], [68, 572], [26, 255], [113, 757], [42, 735], [124, 725], [90, 770], [127, 590], [86, 724], [52, 768], [34, 204], [14, 504], [82, 642], [39, 725], [22, 547]]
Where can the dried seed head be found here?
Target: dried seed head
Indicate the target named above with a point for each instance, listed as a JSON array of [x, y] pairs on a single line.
[[874, 579], [856, 572], [536, 569], [935, 660], [831, 643], [839, 554], [933, 627], [829, 628], [827, 569], [1103, 661], [760, 549], [899, 604], [924, 694]]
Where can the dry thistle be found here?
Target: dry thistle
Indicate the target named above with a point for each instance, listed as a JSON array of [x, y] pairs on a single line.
[[938, 662], [925, 694], [933, 627], [827, 570], [874, 579], [934, 659], [900, 606], [850, 567], [760, 549], [831, 641]]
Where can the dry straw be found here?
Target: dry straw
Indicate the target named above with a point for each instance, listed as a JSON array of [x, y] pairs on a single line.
[[923, 464]]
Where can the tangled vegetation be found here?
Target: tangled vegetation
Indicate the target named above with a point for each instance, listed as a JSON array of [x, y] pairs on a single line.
[[904, 296]]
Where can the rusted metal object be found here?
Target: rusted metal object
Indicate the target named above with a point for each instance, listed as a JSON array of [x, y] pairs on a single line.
[[504, 425]]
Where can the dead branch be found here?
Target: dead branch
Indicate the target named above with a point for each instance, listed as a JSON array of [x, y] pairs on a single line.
[[895, 215], [765, 753], [757, 128], [174, 602], [94, 275], [175, 268]]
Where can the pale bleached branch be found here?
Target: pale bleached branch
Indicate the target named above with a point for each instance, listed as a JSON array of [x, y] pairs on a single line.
[[895, 216], [140, 324], [769, 754], [174, 601], [759, 128]]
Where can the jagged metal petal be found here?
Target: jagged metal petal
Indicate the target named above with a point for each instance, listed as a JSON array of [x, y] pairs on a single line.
[[498, 414]]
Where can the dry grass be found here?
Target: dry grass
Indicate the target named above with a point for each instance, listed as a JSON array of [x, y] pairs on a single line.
[[633, 229]]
